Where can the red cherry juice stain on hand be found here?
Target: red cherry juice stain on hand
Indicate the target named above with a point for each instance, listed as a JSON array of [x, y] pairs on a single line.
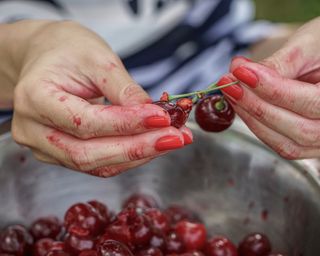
[[77, 121], [63, 98], [264, 214]]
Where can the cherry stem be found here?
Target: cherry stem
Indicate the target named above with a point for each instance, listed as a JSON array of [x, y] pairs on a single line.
[[211, 88], [220, 105]]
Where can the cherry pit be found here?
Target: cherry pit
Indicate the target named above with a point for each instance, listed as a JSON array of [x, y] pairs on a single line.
[[141, 228], [213, 112]]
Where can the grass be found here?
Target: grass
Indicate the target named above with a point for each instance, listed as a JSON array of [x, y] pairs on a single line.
[[287, 10]]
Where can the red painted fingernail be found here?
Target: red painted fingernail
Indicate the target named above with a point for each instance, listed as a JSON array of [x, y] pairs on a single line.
[[168, 143], [246, 76], [187, 139], [235, 91], [157, 122]]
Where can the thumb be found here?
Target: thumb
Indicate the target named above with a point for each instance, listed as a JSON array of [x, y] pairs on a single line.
[[119, 87]]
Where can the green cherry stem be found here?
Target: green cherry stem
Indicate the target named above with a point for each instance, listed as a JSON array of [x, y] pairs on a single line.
[[211, 88], [220, 105]]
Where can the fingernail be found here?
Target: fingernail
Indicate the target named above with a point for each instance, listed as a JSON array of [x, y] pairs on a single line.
[[246, 76], [234, 91], [187, 139], [168, 143], [156, 122]]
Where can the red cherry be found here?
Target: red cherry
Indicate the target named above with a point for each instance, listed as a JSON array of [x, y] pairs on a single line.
[[102, 209], [84, 218], [15, 240], [178, 116], [140, 201], [48, 227], [193, 235], [58, 253], [194, 253], [42, 247], [277, 254], [118, 231], [159, 221], [220, 246], [173, 244], [254, 245], [74, 244], [57, 249], [113, 248], [89, 253], [177, 213], [210, 117], [150, 252], [164, 96], [158, 241]]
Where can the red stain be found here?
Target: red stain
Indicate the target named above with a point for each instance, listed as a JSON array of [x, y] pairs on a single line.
[[251, 205], [264, 215], [294, 55], [77, 121], [110, 66], [63, 98], [230, 182], [104, 80], [22, 159], [56, 141]]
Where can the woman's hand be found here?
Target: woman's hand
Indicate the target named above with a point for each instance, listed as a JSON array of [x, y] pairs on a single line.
[[279, 98], [65, 70]]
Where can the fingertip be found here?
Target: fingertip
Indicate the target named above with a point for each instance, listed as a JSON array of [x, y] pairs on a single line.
[[238, 61], [187, 135]]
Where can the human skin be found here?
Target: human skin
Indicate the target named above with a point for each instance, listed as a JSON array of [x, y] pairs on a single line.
[[279, 97], [54, 75]]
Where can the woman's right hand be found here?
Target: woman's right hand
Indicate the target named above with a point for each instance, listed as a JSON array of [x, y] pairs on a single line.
[[65, 70]]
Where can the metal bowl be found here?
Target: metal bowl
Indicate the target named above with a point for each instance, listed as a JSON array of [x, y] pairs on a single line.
[[233, 182]]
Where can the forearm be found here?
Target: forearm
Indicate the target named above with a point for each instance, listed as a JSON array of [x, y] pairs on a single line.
[[14, 45]]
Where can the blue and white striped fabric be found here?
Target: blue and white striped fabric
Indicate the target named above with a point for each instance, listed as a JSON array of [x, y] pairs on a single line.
[[167, 45]]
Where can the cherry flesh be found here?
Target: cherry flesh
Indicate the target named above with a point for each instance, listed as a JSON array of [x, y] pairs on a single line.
[[254, 245], [113, 248], [220, 246], [214, 114], [178, 116], [48, 227]]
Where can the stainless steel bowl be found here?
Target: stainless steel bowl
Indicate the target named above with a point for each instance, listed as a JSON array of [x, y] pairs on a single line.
[[233, 182]]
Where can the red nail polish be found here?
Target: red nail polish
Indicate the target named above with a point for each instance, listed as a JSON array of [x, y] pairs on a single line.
[[168, 143], [234, 91], [156, 122], [246, 76], [187, 139]]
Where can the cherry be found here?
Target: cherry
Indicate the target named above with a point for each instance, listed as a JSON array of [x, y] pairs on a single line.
[[186, 104], [113, 248], [254, 245], [158, 241], [177, 213], [276, 254], [75, 244], [15, 240], [42, 247], [159, 221], [193, 235], [102, 209], [194, 253], [173, 244], [139, 200], [214, 114], [178, 116], [89, 253], [58, 253], [150, 252], [48, 227], [85, 218], [220, 246]]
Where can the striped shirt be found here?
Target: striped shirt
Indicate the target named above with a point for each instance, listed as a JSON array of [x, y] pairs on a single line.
[[167, 45]]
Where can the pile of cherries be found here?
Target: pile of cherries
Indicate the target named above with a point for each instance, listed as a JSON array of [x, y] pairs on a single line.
[[213, 112], [141, 228]]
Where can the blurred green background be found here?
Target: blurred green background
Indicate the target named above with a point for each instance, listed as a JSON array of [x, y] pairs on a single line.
[[287, 10]]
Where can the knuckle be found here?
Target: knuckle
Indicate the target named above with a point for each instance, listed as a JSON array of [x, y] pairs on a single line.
[[288, 151], [131, 90], [258, 110], [307, 133], [135, 152], [123, 126]]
